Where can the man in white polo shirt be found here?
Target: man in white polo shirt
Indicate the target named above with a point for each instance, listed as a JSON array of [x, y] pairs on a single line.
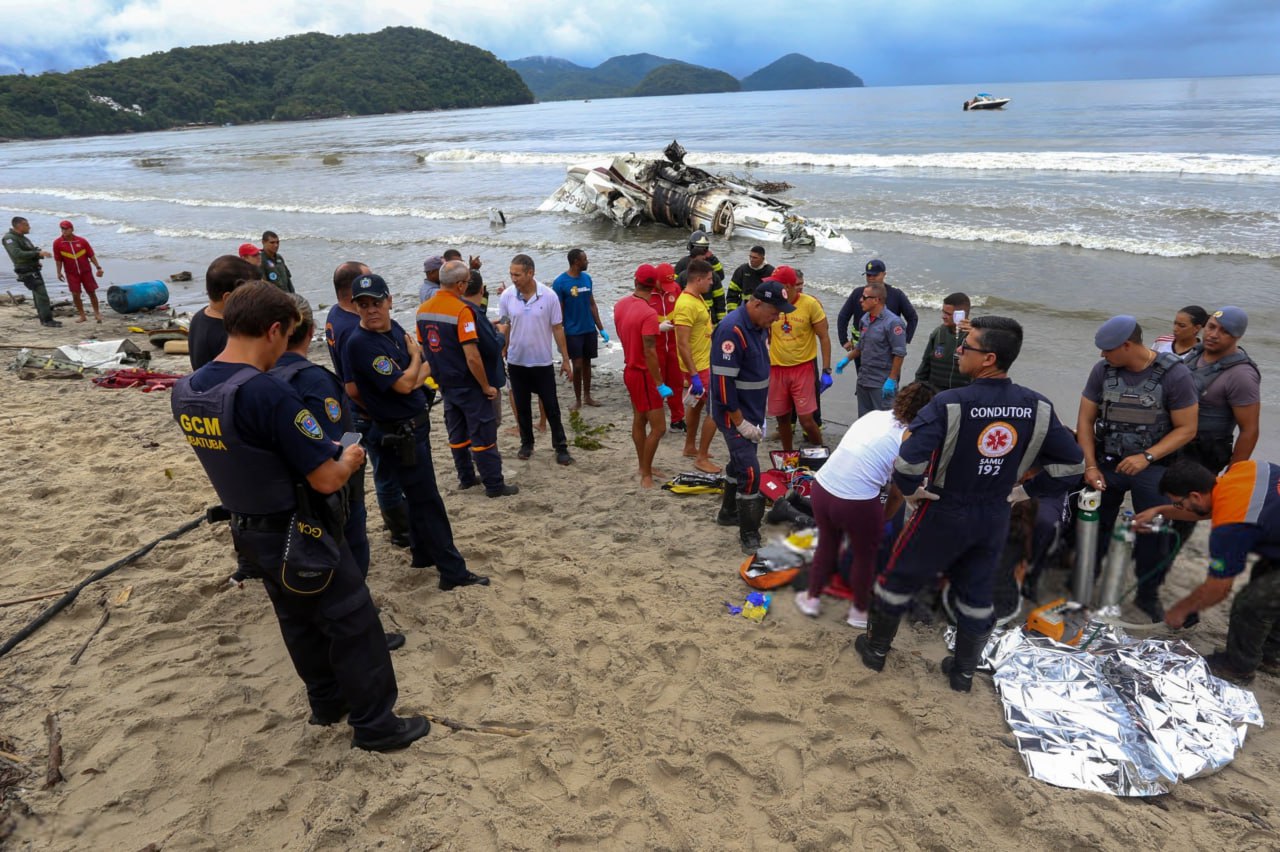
[[529, 315]]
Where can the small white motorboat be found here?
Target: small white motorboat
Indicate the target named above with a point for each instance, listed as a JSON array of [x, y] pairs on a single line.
[[984, 101]]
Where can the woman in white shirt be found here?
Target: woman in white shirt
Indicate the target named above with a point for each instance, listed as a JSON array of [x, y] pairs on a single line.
[[1187, 324], [846, 500]]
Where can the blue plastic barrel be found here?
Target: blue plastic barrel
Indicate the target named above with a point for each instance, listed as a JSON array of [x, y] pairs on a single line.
[[130, 298]]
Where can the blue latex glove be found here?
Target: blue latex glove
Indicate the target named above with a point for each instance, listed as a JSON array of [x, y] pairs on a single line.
[[664, 391], [604, 335], [824, 382], [695, 385], [890, 388], [844, 362]]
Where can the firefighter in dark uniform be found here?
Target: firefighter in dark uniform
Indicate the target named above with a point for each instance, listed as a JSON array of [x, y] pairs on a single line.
[[1137, 410], [968, 453], [700, 246], [447, 330], [739, 400], [26, 266], [385, 367], [280, 479]]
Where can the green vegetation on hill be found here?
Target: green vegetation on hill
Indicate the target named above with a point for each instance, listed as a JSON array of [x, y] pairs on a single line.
[[399, 69], [554, 79], [681, 78], [796, 71]]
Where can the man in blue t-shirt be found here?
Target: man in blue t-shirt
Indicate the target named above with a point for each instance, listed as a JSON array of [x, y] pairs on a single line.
[[581, 322]]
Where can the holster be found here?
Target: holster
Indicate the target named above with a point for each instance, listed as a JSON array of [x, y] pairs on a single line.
[[399, 438]]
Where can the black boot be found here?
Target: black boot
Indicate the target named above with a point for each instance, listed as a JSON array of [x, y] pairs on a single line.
[[873, 646], [728, 516], [960, 667], [750, 513], [784, 511], [397, 520]]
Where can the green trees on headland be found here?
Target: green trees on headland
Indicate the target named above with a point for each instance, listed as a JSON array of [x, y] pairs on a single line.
[[399, 69]]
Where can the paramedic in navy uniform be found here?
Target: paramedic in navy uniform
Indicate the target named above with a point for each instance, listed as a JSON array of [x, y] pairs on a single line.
[[962, 464], [385, 369], [739, 397], [258, 443]]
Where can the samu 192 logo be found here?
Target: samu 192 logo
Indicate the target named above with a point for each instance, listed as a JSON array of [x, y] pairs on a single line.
[[997, 440]]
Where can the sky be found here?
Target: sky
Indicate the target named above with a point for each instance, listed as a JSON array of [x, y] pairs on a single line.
[[886, 42]]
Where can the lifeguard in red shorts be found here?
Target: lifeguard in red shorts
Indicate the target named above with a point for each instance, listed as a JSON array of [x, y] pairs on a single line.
[[637, 326], [73, 256]]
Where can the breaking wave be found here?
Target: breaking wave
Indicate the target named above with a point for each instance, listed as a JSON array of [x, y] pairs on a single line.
[[1134, 162]]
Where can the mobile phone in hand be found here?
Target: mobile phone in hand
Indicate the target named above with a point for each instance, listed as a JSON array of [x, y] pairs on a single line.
[[349, 438]]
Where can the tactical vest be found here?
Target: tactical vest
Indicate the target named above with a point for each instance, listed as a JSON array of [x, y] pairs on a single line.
[[1132, 419], [248, 480], [1215, 421], [333, 429]]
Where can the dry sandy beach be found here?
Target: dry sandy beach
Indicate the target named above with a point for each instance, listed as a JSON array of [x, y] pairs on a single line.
[[652, 718]]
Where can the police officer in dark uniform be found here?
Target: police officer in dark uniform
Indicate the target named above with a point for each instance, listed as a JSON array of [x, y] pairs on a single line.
[[26, 266], [385, 367], [451, 339], [739, 403], [968, 453], [279, 476], [341, 321], [274, 269], [324, 395], [700, 246], [1227, 380], [1137, 410]]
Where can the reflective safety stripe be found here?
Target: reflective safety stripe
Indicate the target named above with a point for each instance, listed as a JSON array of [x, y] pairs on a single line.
[[907, 468], [1038, 432], [444, 318], [482, 449], [761, 385], [973, 611], [1062, 471], [892, 598], [725, 371], [1261, 478], [948, 444], [466, 443]]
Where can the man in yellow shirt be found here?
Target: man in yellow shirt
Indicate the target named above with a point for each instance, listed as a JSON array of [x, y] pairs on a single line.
[[693, 343], [793, 347]]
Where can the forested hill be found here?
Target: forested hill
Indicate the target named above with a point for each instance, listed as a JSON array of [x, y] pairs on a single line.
[[399, 69]]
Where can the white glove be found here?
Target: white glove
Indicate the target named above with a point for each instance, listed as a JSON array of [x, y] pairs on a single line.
[[919, 495], [666, 326], [751, 432], [1018, 495]]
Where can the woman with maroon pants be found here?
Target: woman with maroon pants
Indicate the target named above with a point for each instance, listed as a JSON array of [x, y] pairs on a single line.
[[846, 500]]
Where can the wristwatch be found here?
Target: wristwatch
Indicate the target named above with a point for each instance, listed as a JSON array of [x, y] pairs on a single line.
[[1150, 458]]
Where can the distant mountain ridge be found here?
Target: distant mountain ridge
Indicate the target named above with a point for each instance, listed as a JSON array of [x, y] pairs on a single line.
[[551, 78]]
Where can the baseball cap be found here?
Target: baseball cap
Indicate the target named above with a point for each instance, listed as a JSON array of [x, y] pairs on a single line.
[[432, 264], [874, 267], [369, 285], [770, 292], [784, 275], [646, 272], [1233, 320], [1114, 332], [665, 272], [249, 250], [65, 223]]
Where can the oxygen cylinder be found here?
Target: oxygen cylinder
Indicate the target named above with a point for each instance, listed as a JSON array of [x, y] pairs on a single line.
[[1086, 546], [1116, 567]]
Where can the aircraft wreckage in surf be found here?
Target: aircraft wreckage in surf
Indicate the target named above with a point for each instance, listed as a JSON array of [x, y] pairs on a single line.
[[632, 189]]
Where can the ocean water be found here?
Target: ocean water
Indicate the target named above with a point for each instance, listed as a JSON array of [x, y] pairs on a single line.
[[1077, 202]]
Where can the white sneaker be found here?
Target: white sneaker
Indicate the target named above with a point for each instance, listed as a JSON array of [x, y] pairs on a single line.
[[810, 606], [856, 617]]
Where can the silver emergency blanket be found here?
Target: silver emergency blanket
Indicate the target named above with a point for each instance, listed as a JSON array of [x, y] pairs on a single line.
[[1130, 717]]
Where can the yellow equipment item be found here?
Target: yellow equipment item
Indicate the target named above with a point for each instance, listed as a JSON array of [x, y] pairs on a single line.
[[1061, 620]]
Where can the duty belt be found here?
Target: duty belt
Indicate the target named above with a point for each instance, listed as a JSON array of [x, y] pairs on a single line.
[[412, 423], [276, 523]]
